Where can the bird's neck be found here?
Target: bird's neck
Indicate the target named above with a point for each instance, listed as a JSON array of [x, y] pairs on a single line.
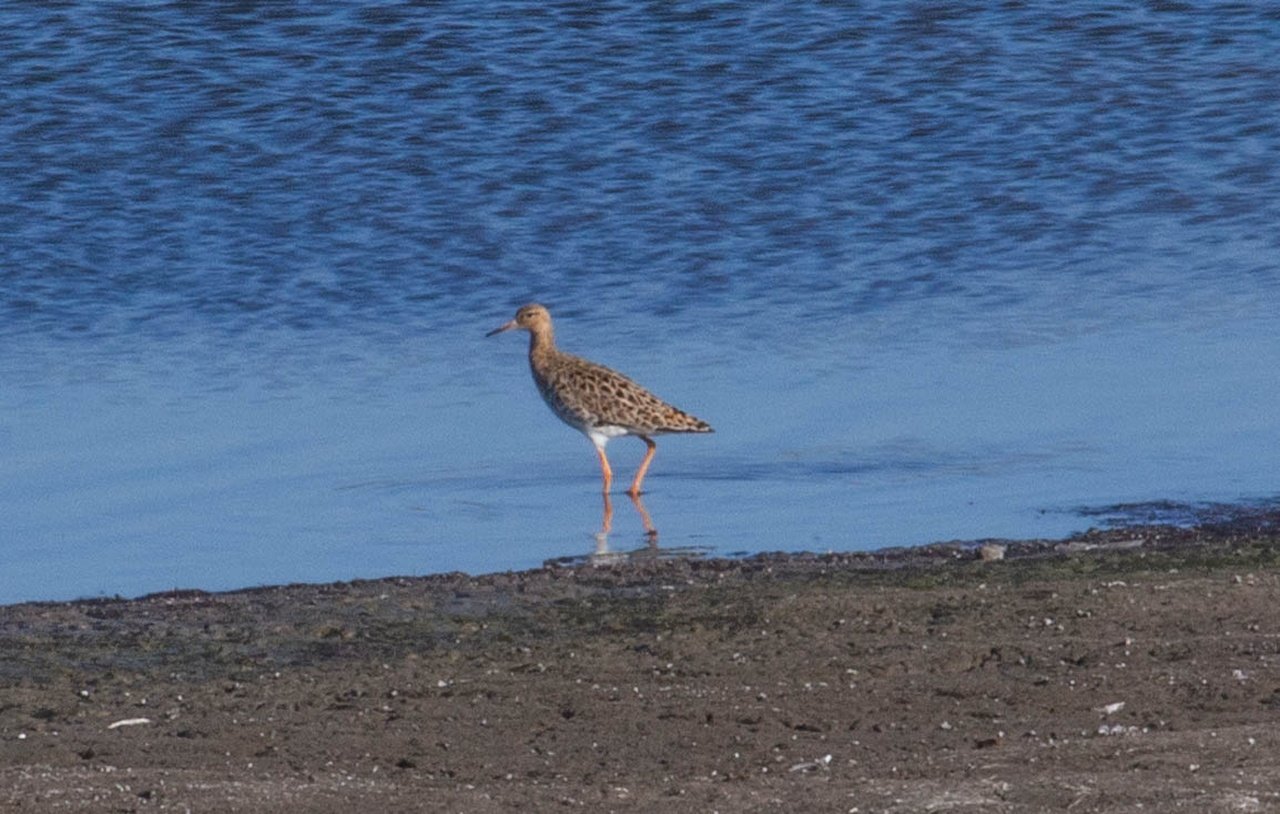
[[542, 343]]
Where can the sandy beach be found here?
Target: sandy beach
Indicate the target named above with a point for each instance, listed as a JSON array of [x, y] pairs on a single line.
[[1112, 671]]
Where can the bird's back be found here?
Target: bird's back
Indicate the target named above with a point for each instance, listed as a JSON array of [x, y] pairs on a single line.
[[588, 395]]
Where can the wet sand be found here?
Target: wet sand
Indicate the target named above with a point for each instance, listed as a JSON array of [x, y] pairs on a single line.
[[1116, 670]]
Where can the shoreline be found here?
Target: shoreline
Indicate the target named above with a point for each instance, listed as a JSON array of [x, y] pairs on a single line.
[[1233, 523], [1112, 669]]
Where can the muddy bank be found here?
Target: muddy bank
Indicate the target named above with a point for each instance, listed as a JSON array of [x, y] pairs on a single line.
[[1117, 669]]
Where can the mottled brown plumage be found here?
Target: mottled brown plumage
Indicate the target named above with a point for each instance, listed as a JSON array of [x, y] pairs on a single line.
[[599, 402]]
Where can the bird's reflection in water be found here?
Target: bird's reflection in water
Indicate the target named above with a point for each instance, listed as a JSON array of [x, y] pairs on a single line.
[[604, 555], [606, 523]]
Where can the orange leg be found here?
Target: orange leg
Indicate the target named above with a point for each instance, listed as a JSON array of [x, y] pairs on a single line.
[[644, 465], [605, 470]]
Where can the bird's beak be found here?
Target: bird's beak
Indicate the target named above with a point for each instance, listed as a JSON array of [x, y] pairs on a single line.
[[500, 329]]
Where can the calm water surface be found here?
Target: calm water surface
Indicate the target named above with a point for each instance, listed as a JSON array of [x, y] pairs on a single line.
[[932, 271]]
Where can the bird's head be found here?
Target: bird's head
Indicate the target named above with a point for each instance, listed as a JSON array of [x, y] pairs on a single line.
[[532, 317]]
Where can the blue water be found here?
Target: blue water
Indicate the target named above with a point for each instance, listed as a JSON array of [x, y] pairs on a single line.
[[932, 271]]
